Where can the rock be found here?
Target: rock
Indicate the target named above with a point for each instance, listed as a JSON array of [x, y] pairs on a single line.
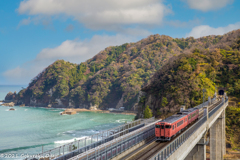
[[11, 104], [69, 111], [11, 109], [93, 107], [22, 105], [10, 96], [120, 103]]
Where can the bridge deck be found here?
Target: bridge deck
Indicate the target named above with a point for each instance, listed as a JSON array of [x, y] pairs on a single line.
[[154, 147]]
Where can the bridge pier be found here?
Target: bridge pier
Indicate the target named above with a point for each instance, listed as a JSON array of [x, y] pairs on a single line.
[[198, 152], [217, 138]]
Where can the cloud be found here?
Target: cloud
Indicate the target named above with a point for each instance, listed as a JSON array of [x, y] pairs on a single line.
[[205, 30], [24, 22], [104, 14], [75, 51], [207, 5], [69, 28]]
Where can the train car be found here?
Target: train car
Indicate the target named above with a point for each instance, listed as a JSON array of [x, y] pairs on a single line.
[[192, 114], [169, 127]]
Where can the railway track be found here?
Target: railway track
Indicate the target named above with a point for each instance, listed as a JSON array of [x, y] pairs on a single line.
[[153, 147]]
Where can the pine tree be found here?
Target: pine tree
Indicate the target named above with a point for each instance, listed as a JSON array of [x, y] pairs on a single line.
[[147, 112]]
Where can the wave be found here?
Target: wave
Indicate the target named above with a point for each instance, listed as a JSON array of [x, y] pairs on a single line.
[[25, 147], [121, 120], [70, 140]]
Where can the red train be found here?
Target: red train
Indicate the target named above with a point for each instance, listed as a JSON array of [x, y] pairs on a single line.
[[169, 127]]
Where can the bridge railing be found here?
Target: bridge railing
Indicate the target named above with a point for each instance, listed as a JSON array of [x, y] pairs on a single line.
[[206, 103], [86, 143], [174, 145], [117, 146]]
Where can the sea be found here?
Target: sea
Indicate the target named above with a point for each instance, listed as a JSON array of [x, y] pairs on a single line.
[[29, 130]]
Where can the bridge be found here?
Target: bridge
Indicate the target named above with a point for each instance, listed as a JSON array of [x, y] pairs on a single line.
[[139, 142]]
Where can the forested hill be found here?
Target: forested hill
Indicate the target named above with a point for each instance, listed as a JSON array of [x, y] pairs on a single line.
[[115, 76], [181, 81]]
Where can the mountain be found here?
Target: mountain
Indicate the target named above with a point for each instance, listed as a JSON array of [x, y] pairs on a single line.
[[181, 81], [114, 77]]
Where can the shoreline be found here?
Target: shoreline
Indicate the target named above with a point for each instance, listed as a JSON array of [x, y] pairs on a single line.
[[77, 110], [72, 111]]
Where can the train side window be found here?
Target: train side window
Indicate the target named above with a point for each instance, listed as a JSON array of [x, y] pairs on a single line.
[[168, 126], [173, 127], [157, 126]]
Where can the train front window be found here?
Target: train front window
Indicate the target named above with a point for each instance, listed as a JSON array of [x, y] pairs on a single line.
[[157, 126], [168, 126], [162, 126]]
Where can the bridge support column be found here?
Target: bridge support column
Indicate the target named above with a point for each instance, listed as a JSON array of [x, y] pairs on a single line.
[[217, 138], [198, 152]]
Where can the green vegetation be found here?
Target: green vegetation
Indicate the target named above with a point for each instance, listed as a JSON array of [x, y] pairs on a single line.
[[147, 112], [121, 71], [172, 72], [233, 127]]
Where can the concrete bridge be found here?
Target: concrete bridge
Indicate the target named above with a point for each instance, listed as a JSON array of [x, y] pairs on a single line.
[[194, 147], [141, 143]]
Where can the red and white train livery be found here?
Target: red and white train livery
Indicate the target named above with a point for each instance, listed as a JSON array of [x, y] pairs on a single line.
[[169, 127]]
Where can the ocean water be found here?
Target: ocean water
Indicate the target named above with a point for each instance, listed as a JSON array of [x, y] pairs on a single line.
[[27, 129]]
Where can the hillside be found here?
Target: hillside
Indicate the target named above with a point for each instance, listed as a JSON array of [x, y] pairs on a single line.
[[182, 79], [114, 77]]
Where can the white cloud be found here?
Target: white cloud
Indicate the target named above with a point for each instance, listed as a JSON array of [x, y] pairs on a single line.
[[207, 5], [205, 30], [96, 14], [24, 22], [75, 51]]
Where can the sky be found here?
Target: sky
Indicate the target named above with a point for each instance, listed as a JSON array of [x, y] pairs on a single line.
[[35, 33]]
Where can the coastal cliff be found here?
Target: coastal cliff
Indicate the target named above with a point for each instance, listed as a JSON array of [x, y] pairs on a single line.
[[114, 77], [159, 72]]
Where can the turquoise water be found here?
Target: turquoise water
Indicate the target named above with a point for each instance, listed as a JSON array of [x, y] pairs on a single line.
[[27, 129]]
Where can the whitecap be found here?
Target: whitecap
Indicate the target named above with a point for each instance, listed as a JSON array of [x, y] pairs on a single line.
[[70, 131], [70, 140], [121, 120]]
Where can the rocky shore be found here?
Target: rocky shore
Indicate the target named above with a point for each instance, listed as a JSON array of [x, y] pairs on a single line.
[[72, 111], [11, 104]]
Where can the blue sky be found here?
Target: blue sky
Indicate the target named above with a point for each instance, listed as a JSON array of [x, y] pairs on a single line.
[[35, 33]]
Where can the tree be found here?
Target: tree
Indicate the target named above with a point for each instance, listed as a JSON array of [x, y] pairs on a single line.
[[164, 102], [147, 112]]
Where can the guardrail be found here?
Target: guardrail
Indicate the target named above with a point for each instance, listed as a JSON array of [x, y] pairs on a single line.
[[206, 103], [95, 140], [174, 145], [118, 145], [115, 147]]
